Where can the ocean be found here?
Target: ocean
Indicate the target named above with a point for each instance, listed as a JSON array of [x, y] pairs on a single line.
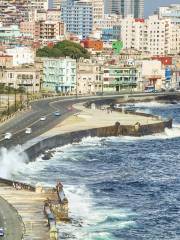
[[119, 188]]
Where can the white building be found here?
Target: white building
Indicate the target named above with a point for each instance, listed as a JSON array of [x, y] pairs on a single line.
[[21, 55], [152, 73], [154, 35], [38, 4], [171, 11], [134, 34]]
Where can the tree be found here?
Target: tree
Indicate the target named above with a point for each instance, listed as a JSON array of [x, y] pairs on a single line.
[[63, 49]]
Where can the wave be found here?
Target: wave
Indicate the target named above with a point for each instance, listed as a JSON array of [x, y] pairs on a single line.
[[89, 221], [11, 161], [154, 104]]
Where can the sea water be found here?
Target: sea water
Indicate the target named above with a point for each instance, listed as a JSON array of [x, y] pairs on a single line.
[[119, 188]]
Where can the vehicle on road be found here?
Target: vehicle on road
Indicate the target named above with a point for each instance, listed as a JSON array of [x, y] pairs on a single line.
[[1, 232], [8, 135], [57, 113], [28, 131], [149, 89], [43, 118]]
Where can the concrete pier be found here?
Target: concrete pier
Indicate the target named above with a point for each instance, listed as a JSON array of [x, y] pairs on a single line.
[[29, 206], [95, 118]]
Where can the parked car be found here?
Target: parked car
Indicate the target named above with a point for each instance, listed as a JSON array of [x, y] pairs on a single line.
[[43, 118], [57, 113], [1, 232], [28, 131], [8, 135]]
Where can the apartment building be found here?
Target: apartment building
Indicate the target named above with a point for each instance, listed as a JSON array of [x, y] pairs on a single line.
[[172, 11], [55, 4], [44, 30], [154, 35], [89, 76], [27, 78], [125, 7], [78, 17], [11, 35], [98, 11], [59, 75], [21, 55], [43, 15], [119, 77], [38, 4]]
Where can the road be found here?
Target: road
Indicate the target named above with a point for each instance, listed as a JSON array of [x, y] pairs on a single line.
[[46, 108], [10, 221], [31, 119]]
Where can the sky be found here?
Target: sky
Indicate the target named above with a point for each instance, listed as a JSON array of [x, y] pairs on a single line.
[[151, 5]]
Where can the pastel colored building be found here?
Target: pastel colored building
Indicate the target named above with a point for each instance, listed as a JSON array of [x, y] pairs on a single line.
[[89, 76], [59, 75], [96, 45], [27, 78], [21, 55], [117, 78], [78, 17], [44, 30], [11, 33]]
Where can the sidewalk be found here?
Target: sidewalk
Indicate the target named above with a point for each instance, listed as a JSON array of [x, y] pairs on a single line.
[[94, 118]]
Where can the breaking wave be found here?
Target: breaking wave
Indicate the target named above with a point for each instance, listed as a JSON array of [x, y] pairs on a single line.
[[11, 161]]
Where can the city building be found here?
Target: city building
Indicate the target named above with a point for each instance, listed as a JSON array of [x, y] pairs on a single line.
[[125, 7], [10, 34], [117, 78], [43, 15], [27, 78], [38, 4], [172, 11], [13, 12], [94, 45], [98, 11], [44, 30], [152, 74], [21, 55], [78, 17], [154, 35], [5, 61], [59, 75], [110, 34], [89, 77], [55, 4]]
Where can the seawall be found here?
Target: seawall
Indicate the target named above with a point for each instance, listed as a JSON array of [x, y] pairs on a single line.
[[116, 130]]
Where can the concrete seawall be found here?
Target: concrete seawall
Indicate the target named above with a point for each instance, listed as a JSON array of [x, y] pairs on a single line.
[[76, 136]]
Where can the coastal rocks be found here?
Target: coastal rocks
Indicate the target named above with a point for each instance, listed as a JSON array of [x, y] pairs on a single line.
[[58, 203], [48, 155]]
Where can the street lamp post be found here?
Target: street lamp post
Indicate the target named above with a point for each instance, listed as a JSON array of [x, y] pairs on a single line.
[[15, 100], [8, 110]]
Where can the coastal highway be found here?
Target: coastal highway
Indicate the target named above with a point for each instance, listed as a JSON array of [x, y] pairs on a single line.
[[32, 117], [45, 107], [10, 221]]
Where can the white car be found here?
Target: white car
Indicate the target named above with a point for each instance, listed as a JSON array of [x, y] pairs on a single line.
[[8, 135], [43, 118], [28, 131], [1, 232]]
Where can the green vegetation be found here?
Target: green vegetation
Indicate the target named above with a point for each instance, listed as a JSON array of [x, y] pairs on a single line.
[[10, 90], [63, 49]]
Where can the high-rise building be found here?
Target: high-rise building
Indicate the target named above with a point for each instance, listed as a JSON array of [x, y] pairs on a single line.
[[55, 4], [125, 7], [153, 35], [78, 17]]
